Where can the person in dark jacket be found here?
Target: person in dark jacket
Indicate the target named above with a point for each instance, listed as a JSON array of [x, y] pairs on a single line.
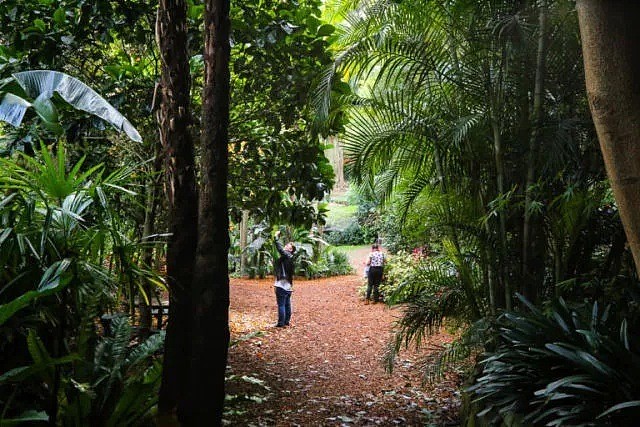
[[284, 269]]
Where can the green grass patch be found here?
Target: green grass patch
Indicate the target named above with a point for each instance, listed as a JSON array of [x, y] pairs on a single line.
[[340, 216], [352, 248]]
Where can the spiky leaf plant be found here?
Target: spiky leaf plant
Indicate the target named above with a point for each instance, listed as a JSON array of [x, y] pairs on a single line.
[[565, 367]]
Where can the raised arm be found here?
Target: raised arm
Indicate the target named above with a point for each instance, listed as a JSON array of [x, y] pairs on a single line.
[[281, 249]]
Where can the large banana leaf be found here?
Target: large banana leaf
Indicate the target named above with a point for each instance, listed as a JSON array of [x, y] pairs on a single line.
[[40, 85]]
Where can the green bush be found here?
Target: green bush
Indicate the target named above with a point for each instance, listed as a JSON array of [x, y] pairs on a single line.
[[66, 254], [354, 234], [565, 367], [332, 262]]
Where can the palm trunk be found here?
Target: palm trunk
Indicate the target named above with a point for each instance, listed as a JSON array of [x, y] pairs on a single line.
[[495, 103], [174, 118], [610, 32], [244, 225], [211, 282], [528, 286], [499, 159], [152, 189]]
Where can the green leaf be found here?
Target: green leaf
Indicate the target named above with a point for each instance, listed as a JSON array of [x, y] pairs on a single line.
[[326, 30], [49, 285], [48, 113], [27, 416], [16, 374], [619, 406], [51, 277], [59, 16], [40, 25]]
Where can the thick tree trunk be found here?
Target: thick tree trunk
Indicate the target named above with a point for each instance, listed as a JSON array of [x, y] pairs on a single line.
[[211, 279], [174, 120], [610, 32]]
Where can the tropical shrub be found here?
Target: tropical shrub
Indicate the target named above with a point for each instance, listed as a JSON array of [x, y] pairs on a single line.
[[569, 366], [313, 259], [66, 256], [433, 290], [118, 385], [332, 262], [353, 234]]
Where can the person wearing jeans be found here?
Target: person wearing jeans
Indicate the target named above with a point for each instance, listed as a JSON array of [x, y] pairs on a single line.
[[284, 268], [376, 270], [283, 298]]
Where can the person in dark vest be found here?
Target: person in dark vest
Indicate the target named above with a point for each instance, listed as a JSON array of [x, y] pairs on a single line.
[[375, 262], [284, 270]]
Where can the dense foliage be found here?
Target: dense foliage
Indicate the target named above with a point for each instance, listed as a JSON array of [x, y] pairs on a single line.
[[469, 122], [277, 167], [91, 248], [564, 367], [314, 258], [66, 255]]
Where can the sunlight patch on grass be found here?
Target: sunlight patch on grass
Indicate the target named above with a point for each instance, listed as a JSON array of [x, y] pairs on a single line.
[[340, 216]]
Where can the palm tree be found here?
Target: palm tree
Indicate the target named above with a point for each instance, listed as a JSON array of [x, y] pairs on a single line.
[[480, 101]]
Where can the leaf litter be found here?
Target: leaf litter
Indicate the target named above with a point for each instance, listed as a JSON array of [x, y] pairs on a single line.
[[326, 368]]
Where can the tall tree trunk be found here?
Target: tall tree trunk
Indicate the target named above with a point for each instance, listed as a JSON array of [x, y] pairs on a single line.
[[502, 223], [528, 276], [244, 229], [152, 188], [211, 279], [174, 118], [610, 33], [496, 103]]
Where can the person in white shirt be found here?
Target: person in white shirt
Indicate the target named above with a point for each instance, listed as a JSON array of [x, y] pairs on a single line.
[[375, 262]]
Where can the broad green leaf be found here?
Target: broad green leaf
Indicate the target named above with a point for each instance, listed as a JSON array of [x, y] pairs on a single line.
[[48, 113], [39, 24], [326, 30], [77, 94]]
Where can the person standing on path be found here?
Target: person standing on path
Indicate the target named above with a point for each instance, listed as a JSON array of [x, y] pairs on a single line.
[[375, 262], [284, 268]]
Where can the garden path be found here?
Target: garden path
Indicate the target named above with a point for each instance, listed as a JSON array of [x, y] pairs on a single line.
[[326, 368]]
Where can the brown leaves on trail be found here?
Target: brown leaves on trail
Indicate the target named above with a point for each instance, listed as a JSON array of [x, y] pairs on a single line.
[[326, 368]]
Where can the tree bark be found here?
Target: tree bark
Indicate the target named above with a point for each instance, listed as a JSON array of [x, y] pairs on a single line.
[[610, 31], [211, 280], [174, 119]]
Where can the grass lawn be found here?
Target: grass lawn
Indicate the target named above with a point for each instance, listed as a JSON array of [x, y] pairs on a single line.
[[352, 248], [339, 216]]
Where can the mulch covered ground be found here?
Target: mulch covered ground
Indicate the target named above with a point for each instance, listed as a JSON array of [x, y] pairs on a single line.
[[326, 368]]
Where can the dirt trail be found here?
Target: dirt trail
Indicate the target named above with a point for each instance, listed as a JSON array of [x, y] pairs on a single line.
[[326, 368]]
